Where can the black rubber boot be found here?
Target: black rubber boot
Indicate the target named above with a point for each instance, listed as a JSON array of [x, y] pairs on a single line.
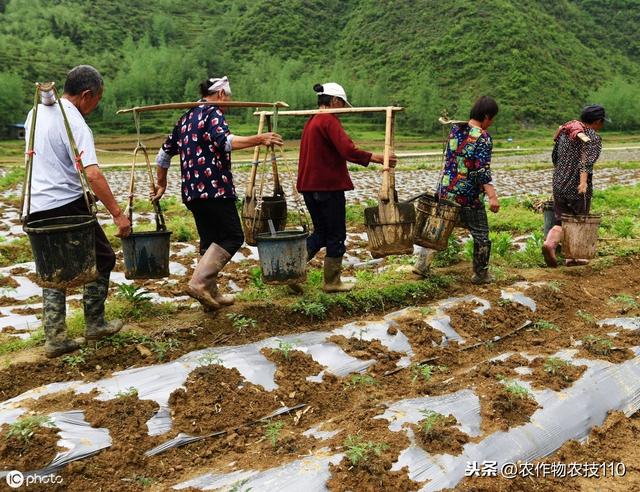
[[54, 312], [95, 295], [481, 254]]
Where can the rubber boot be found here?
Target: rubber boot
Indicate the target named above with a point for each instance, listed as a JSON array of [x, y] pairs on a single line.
[[332, 282], [203, 286], [481, 254], [554, 236], [54, 312], [93, 299], [424, 258]]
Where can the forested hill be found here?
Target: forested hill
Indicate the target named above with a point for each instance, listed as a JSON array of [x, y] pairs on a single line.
[[541, 59]]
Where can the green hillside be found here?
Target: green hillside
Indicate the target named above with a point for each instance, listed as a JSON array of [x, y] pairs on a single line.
[[540, 59]]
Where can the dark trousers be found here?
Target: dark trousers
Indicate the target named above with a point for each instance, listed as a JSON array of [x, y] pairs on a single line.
[[570, 206], [328, 214], [217, 221], [475, 219], [105, 257]]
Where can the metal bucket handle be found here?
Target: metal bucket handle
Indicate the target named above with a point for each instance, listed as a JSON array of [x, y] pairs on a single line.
[[140, 147]]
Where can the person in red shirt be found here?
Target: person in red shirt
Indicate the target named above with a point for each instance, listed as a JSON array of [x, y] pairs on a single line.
[[323, 178]]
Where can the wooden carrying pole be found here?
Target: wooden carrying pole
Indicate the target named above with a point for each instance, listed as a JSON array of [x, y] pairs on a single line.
[[310, 112], [187, 105], [254, 165]]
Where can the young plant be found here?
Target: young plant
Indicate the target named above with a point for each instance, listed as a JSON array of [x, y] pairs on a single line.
[[431, 420], [425, 371], [162, 347], [134, 294], [542, 325], [598, 345], [315, 310], [553, 286], [25, 427], [241, 323], [626, 301], [587, 317], [502, 302], [127, 393], [237, 486], [358, 451], [75, 360], [555, 365], [516, 391], [272, 432], [360, 380], [284, 348], [209, 359], [256, 278]]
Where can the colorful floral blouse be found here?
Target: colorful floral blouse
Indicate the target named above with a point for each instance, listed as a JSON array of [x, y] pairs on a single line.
[[202, 138], [467, 166]]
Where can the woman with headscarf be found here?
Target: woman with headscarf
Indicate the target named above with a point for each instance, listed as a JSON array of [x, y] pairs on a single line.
[[323, 178], [204, 142], [573, 162]]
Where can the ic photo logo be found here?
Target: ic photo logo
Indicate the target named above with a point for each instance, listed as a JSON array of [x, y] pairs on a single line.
[[15, 479]]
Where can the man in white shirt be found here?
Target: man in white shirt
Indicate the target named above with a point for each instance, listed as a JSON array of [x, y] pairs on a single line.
[[56, 192]]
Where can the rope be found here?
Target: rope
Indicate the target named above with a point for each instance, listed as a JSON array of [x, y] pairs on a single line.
[[26, 185]]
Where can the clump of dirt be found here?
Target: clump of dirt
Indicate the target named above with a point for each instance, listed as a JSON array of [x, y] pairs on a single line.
[[554, 373], [8, 282], [605, 347], [438, 434], [26, 311], [291, 375], [505, 406], [217, 398], [369, 454], [28, 453], [425, 340], [386, 360], [20, 271]]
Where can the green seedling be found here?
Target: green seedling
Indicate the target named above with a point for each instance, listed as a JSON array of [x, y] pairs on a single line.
[[122, 339], [358, 451], [542, 325], [75, 360], [209, 359], [315, 310], [427, 311], [587, 317], [431, 420], [272, 432], [256, 278], [598, 345], [425, 371], [502, 302], [553, 286], [241, 323], [25, 427], [284, 348], [625, 300], [162, 347], [516, 390], [238, 486], [555, 365], [360, 380], [134, 294], [127, 393]]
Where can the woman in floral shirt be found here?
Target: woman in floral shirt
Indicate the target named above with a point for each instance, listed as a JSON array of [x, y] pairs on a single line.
[[467, 179], [202, 139]]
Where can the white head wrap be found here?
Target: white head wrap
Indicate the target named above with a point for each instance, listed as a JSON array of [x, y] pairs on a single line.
[[221, 84]]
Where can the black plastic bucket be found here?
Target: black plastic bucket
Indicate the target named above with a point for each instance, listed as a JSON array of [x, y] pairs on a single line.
[[64, 250], [146, 254]]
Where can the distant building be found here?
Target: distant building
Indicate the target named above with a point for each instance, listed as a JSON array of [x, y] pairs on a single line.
[[15, 131]]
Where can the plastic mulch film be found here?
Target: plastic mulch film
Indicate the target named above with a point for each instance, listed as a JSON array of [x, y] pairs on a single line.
[[309, 474], [566, 415], [77, 436]]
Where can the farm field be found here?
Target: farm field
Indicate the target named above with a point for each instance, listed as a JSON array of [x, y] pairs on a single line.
[[402, 384]]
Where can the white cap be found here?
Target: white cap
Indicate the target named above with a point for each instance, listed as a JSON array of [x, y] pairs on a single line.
[[333, 89]]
